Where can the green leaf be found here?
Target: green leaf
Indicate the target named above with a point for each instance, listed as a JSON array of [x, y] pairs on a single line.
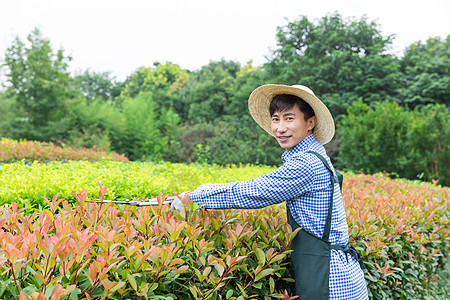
[[220, 269], [277, 258], [117, 286], [193, 291], [261, 256], [257, 285], [153, 287], [12, 289], [3, 285], [48, 291], [271, 284], [74, 294], [30, 289], [263, 273], [206, 271], [132, 281]]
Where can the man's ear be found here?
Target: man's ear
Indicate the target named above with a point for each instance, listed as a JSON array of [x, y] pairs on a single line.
[[312, 122]]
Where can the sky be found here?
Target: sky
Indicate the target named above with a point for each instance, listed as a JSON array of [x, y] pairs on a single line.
[[121, 36]]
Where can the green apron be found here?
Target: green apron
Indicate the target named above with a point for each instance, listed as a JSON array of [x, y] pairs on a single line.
[[311, 255]]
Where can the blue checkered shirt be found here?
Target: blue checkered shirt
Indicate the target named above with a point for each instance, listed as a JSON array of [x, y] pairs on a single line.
[[303, 182]]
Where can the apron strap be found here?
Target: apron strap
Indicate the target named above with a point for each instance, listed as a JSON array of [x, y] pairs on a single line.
[[334, 179]]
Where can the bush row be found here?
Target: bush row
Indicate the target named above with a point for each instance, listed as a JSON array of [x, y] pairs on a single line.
[[401, 228], [88, 250], [12, 150], [26, 184], [92, 251]]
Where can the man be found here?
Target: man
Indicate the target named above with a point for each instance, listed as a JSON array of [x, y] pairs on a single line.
[[325, 266]]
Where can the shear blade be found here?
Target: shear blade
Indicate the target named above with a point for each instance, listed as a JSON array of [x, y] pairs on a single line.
[[146, 202]]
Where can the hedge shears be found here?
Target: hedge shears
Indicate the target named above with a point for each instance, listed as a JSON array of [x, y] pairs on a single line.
[[145, 202]]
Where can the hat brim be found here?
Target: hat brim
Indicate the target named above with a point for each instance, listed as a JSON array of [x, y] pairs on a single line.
[[259, 103]]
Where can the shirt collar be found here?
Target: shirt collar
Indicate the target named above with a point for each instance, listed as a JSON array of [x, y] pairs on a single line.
[[300, 147]]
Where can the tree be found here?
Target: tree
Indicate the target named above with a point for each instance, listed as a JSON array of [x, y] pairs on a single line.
[[372, 135], [220, 125], [95, 85], [8, 112], [340, 60], [98, 123], [208, 91], [165, 82], [426, 68], [141, 136], [247, 79], [40, 85]]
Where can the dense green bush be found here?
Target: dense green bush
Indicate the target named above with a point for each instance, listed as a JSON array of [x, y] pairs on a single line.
[[86, 118], [138, 128], [412, 144]]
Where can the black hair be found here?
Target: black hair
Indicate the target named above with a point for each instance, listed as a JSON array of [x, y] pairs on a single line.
[[284, 102]]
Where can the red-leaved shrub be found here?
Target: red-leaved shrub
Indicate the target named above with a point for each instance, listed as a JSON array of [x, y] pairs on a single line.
[[11, 151]]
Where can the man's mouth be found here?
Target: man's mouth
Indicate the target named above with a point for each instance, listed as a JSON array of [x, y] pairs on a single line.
[[283, 138]]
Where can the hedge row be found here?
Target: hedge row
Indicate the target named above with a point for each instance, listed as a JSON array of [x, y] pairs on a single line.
[[26, 183], [401, 228], [12, 150], [100, 250], [90, 251]]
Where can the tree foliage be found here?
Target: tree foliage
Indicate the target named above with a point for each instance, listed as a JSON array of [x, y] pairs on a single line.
[[164, 81], [39, 83], [208, 91], [141, 136], [427, 73], [341, 60], [97, 85], [8, 111], [413, 144]]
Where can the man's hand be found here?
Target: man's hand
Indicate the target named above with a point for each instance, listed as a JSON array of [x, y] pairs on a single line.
[[205, 186], [178, 202]]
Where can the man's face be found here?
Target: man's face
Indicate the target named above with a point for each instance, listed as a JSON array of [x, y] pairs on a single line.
[[290, 128]]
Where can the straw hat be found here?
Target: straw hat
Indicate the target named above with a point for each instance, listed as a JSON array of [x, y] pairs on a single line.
[[259, 103]]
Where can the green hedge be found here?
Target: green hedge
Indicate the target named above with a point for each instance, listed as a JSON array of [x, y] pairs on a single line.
[[26, 183], [412, 144]]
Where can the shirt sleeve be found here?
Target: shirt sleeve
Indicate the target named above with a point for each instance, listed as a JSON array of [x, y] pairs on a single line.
[[291, 180]]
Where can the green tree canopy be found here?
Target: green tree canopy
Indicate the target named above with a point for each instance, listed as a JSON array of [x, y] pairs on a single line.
[[427, 73], [39, 83], [101, 85], [209, 90], [141, 137], [247, 79], [164, 81], [341, 60]]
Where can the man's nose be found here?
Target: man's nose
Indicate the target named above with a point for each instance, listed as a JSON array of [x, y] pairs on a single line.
[[281, 127]]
